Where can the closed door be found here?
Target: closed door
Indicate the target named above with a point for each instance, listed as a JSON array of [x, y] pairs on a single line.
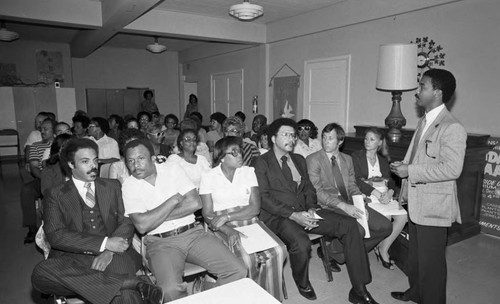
[[326, 91], [227, 92]]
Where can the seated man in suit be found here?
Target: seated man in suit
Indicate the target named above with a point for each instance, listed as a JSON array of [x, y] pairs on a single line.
[[332, 174], [90, 238], [288, 208], [161, 200]]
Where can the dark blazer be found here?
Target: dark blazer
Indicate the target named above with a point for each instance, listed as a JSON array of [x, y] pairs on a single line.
[[360, 163], [63, 217], [278, 197]]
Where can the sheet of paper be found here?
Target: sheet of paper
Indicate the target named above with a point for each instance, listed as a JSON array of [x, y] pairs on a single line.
[[393, 208], [256, 238], [363, 221]]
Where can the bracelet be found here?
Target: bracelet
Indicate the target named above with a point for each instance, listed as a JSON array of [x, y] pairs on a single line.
[[228, 217]]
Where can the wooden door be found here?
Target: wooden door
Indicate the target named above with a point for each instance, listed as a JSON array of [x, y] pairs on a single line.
[[114, 102], [326, 91], [96, 102], [227, 92]]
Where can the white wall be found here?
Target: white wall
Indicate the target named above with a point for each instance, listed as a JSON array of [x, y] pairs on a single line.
[[118, 68]]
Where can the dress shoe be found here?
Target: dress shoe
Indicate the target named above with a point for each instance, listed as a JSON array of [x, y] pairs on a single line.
[[400, 296], [385, 264], [150, 294], [334, 267], [363, 298], [307, 292]]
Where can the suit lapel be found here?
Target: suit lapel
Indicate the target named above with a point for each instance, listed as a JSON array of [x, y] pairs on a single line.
[[344, 170], [326, 165], [434, 125], [275, 166], [72, 204], [102, 200]]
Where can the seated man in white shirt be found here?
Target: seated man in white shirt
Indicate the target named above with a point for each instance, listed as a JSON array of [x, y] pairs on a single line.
[[108, 147], [160, 200]]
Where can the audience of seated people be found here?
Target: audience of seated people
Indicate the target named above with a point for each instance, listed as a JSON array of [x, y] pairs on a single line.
[[161, 199], [371, 164], [230, 196]]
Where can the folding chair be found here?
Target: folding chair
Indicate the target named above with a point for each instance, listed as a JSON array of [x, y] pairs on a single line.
[[326, 257]]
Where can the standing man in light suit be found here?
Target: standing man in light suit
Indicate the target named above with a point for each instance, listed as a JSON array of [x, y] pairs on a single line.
[[431, 166]]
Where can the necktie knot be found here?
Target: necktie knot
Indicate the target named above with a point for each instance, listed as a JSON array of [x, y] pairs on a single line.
[[88, 186], [284, 159], [334, 160]]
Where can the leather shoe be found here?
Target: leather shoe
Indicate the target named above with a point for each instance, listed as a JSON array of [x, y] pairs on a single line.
[[334, 267], [30, 237], [307, 292], [364, 298], [150, 294], [400, 296]]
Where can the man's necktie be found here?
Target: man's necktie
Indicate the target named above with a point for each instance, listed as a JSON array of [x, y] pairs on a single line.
[[414, 148], [337, 175], [285, 169], [90, 197]]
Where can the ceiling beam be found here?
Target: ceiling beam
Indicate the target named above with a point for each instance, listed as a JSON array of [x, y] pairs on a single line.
[[72, 13], [178, 24], [116, 14]]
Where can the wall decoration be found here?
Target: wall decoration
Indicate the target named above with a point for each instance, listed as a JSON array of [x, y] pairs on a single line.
[[49, 66], [285, 96], [489, 218], [429, 55]]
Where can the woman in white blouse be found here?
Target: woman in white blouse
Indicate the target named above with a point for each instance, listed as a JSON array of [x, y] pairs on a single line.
[[230, 197], [194, 165]]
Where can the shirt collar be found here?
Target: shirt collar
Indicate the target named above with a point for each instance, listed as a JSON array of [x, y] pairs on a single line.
[[81, 184], [432, 114]]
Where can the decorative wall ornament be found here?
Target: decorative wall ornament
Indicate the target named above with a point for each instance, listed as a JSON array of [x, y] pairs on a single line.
[[429, 56]]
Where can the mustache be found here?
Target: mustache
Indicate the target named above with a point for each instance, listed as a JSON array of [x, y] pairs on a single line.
[[94, 170]]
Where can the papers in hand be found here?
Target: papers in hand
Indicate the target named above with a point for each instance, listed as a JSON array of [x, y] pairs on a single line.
[[393, 208], [256, 239], [363, 221]]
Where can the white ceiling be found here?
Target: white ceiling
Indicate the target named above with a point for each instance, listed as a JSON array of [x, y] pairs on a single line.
[[36, 28]]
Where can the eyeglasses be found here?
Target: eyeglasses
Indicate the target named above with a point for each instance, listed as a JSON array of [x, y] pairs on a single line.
[[234, 152], [92, 126], [304, 128], [235, 131], [159, 134], [288, 135], [190, 139]]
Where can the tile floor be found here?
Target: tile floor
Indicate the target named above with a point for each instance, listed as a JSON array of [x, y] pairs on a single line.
[[473, 264]]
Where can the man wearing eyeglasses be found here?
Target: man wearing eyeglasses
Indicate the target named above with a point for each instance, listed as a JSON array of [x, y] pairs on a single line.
[[160, 199], [430, 169], [289, 208]]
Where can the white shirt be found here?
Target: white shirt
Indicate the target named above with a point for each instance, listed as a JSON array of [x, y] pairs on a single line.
[[374, 171], [430, 117], [139, 196], [193, 171], [108, 148], [34, 137], [227, 194], [304, 150], [82, 190]]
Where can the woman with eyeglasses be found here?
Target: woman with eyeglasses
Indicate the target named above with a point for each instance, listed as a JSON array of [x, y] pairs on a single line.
[[156, 136], [307, 142], [373, 177], [230, 196], [194, 165]]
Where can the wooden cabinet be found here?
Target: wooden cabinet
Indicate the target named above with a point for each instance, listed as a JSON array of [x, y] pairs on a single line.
[[104, 102], [469, 183]]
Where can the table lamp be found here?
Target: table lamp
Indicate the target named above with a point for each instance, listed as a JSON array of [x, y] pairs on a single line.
[[397, 72]]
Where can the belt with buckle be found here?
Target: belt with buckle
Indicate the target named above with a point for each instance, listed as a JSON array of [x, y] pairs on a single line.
[[176, 231]]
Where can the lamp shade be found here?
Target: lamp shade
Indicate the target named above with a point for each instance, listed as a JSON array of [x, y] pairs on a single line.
[[397, 67]]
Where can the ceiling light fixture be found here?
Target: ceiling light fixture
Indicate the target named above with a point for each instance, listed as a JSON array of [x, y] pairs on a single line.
[[6, 35], [156, 48], [246, 11]]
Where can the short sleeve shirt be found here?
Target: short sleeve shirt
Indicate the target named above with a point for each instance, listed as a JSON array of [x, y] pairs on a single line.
[[35, 136], [193, 171], [227, 194], [108, 148], [37, 150], [139, 196]]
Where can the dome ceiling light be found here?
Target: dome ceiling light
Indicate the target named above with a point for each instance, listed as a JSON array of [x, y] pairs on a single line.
[[246, 11], [156, 48], [6, 35]]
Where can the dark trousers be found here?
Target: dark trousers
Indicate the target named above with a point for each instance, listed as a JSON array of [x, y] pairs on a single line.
[[380, 228], [427, 264], [333, 225], [70, 275], [29, 193]]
